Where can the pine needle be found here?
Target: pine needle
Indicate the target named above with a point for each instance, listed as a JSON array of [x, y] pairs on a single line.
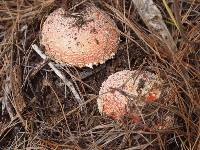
[[171, 14]]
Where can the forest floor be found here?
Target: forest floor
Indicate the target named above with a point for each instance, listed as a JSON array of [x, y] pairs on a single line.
[[37, 111]]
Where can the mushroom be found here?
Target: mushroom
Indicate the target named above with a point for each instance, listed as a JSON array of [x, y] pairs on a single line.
[[80, 39], [125, 92]]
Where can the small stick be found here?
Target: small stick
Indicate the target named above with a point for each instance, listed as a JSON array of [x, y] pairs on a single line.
[[152, 17], [36, 69], [59, 74], [6, 104]]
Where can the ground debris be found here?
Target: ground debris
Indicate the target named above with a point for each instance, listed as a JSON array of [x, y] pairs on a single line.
[[16, 81], [39, 111]]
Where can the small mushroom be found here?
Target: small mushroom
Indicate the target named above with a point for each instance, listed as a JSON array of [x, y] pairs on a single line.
[[80, 39], [124, 92]]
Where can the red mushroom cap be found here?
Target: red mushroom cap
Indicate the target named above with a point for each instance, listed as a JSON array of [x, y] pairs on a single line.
[[124, 87], [82, 39]]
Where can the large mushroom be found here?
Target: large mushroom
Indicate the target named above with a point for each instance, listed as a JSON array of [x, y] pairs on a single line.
[[126, 89], [80, 39]]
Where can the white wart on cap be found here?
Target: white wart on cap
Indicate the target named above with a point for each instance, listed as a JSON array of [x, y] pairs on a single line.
[[124, 87], [80, 39]]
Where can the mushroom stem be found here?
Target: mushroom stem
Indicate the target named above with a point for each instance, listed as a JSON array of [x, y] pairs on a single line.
[[59, 74]]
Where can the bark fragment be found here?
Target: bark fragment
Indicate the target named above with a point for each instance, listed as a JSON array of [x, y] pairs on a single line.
[[152, 17]]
